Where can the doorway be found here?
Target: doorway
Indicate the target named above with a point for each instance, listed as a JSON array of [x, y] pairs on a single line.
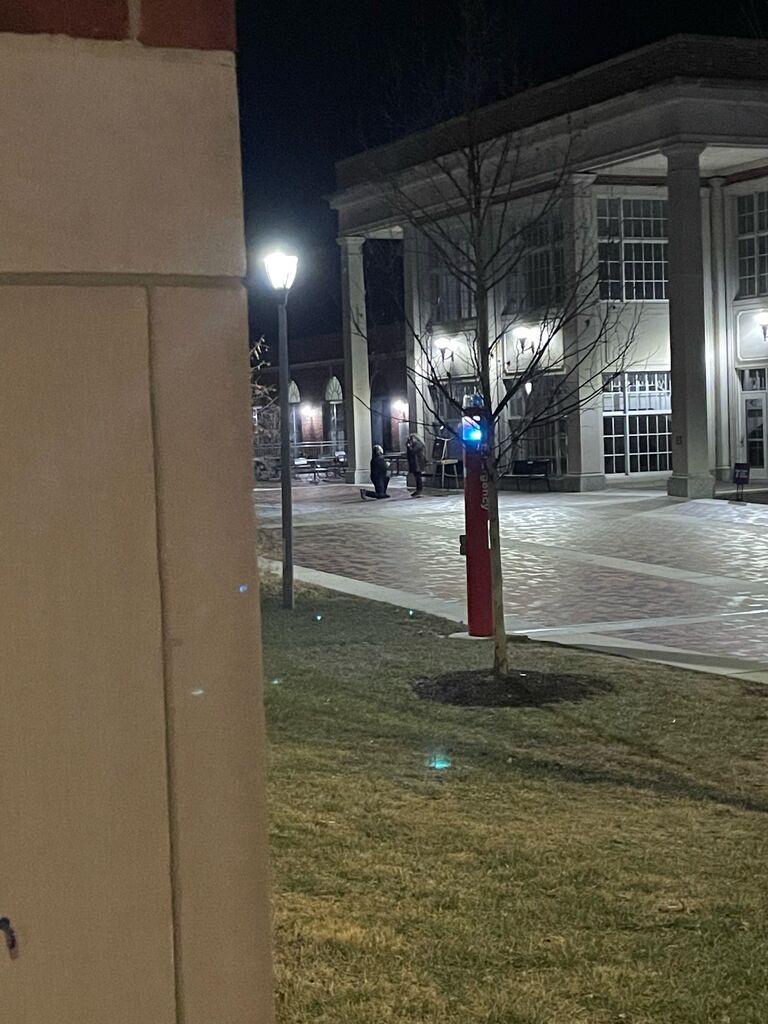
[[755, 433]]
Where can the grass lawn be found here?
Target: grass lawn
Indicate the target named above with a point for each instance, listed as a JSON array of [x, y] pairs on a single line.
[[600, 861]]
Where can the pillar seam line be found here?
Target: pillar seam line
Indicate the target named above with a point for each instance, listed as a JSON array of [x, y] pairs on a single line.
[[165, 655]]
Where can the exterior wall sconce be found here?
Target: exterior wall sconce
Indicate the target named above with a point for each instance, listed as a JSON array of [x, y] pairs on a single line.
[[524, 338], [762, 320], [447, 349]]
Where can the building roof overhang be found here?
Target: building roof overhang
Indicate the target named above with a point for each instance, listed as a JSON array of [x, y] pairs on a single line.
[[681, 58]]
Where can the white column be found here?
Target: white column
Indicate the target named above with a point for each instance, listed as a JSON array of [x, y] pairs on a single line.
[[357, 381], [722, 365], [415, 332], [691, 475], [584, 427]]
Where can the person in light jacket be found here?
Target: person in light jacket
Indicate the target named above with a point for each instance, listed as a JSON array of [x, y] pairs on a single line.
[[417, 462], [379, 475]]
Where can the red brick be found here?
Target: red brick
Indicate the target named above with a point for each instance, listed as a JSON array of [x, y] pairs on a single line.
[[91, 19], [189, 24]]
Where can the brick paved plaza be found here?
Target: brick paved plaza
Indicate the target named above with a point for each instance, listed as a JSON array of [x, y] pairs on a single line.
[[628, 570]]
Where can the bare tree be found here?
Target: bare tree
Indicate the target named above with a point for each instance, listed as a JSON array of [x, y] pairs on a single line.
[[511, 271], [264, 407]]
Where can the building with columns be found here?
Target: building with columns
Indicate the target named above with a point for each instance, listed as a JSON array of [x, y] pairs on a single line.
[[666, 172]]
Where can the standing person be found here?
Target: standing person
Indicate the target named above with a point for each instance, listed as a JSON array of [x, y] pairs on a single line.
[[379, 475], [417, 462]]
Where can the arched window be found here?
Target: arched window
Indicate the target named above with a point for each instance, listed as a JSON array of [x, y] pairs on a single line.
[[334, 414], [294, 400], [333, 392]]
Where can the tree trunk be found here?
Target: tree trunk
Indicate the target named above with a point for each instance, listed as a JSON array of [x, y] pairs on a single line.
[[500, 648], [500, 653]]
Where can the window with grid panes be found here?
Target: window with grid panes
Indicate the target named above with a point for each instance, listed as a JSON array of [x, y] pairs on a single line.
[[632, 248], [450, 298], [543, 440], [637, 435], [752, 215], [543, 263], [448, 401]]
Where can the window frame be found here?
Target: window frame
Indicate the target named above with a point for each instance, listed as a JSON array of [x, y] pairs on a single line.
[[450, 300], [752, 242], [629, 235], [634, 415]]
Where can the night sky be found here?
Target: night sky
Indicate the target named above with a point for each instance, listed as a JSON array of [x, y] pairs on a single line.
[[321, 80]]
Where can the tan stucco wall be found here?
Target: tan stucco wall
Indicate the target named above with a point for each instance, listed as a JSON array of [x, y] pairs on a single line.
[[206, 521], [84, 837], [118, 159], [133, 826]]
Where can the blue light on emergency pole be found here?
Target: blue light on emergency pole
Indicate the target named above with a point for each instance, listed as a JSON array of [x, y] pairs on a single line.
[[473, 433], [472, 430]]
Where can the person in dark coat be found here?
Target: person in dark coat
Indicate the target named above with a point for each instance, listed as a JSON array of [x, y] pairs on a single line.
[[379, 475], [417, 462]]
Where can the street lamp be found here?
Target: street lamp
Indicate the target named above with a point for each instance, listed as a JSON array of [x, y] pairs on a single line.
[[762, 320], [281, 271]]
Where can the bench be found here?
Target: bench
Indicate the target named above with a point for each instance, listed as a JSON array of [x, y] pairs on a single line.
[[530, 469]]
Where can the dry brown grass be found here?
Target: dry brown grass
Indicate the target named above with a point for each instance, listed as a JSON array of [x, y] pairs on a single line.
[[593, 862]]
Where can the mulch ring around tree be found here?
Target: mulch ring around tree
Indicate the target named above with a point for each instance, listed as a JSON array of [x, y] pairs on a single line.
[[528, 689]]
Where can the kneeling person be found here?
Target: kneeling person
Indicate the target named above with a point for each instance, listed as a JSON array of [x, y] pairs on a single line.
[[379, 475]]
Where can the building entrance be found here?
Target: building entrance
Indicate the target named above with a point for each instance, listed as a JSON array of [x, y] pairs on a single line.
[[754, 437]]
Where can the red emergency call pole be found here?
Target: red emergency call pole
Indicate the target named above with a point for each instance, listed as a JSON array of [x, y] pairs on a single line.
[[475, 544]]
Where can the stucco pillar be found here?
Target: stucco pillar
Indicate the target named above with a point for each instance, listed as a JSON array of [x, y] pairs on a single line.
[[132, 807], [357, 390], [722, 366], [691, 476], [584, 426]]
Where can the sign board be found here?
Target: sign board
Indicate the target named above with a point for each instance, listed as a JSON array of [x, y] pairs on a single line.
[[741, 473]]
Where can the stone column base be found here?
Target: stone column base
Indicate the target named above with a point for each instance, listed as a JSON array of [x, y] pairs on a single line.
[[691, 486], [580, 482], [361, 477]]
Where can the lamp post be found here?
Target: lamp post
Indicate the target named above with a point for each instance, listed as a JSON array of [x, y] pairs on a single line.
[[281, 271]]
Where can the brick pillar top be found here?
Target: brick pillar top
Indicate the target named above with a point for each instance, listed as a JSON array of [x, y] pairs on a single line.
[[186, 24]]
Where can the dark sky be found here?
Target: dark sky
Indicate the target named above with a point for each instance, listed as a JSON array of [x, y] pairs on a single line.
[[316, 78]]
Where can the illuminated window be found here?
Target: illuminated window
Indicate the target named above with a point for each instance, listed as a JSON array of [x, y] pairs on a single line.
[[333, 414], [637, 435]]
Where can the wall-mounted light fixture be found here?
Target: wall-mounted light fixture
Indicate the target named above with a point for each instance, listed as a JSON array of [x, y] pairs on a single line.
[[524, 338], [447, 348], [762, 320]]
